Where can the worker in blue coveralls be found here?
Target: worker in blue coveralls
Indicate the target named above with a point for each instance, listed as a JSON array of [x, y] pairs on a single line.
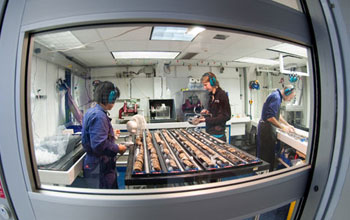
[[270, 120], [98, 140], [219, 110]]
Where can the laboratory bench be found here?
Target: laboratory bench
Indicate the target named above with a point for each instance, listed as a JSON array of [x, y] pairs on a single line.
[[65, 170], [298, 140], [235, 126], [69, 167], [186, 156]]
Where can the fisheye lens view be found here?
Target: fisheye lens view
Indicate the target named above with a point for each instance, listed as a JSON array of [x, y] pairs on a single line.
[[156, 106]]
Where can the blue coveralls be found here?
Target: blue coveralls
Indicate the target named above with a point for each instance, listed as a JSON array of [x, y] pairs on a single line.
[[267, 138], [98, 142]]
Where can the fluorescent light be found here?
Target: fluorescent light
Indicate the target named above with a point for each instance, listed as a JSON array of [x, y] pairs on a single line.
[[194, 31], [175, 33], [284, 71], [290, 49], [258, 61], [144, 55], [59, 41]]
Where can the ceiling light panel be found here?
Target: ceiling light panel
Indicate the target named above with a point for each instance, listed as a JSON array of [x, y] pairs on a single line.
[[59, 41], [175, 33], [144, 55], [260, 61], [290, 49]]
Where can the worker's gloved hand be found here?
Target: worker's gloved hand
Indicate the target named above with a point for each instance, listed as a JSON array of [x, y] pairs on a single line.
[[122, 149], [116, 133], [204, 112], [194, 120], [285, 128], [288, 128], [291, 129], [127, 144], [201, 119]]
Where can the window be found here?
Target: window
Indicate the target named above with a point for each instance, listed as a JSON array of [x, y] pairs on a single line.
[[165, 96]]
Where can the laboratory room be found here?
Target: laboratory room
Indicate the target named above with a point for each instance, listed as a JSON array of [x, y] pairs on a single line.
[[141, 106]]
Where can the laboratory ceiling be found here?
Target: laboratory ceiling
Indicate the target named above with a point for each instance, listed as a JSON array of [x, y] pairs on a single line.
[[211, 46]]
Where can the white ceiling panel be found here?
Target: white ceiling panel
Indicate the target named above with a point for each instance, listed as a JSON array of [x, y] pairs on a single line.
[[89, 48], [146, 45], [96, 59], [248, 46], [87, 35], [100, 42], [203, 47], [137, 33], [207, 36], [266, 54]]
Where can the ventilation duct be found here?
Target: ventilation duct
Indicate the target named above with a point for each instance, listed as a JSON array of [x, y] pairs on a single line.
[[220, 37]]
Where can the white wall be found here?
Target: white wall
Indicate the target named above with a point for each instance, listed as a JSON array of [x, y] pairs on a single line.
[[268, 83], [82, 93], [167, 85], [137, 87], [48, 112], [258, 96]]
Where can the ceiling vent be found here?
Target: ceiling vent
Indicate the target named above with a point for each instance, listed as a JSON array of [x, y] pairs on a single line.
[[188, 56], [220, 37]]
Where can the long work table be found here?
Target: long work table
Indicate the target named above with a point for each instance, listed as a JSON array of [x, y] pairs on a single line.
[[237, 126], [297, 140]]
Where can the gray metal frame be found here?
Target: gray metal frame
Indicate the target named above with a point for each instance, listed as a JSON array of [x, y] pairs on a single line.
[[332, 164], [336, 201], [3, 4], [227, 200], [12, 165]]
